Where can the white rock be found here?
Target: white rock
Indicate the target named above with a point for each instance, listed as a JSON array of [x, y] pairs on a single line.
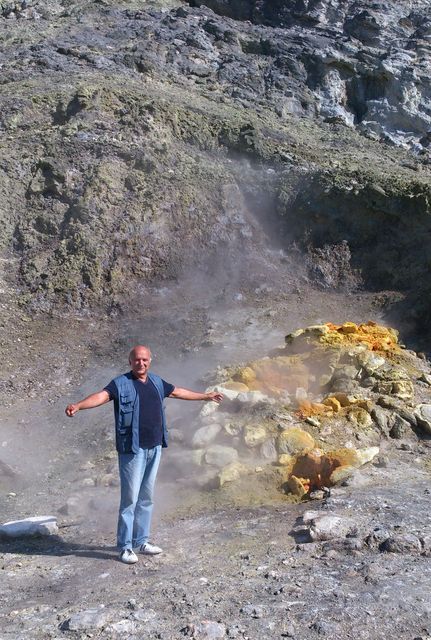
[[269, 451], [208, 630], [425, 377], [205, 435], [253, 397], [88, 619], [366, 455], [331, 527], [230, 394], [34, 526], [423, 417], [254, 435]]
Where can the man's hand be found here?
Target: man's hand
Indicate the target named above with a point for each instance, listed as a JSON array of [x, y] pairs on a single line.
[[215, 396], [95, 400], [71, 409]]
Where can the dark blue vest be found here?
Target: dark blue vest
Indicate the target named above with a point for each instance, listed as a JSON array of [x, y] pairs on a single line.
[[127, 416]]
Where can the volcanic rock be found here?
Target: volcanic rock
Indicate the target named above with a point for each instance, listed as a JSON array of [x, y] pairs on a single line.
[[328, 527], [89, 619], [402, 543]]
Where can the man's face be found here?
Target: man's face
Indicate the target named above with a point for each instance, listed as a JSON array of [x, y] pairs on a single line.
[[140, 359]]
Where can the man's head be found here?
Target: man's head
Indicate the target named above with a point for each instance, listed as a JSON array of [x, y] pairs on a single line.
[[140, 360]]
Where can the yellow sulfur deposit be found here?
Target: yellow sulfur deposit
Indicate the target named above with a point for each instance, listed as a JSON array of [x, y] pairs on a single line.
[[246, 376], [317, 350], [314, 469], [374, 336], [274, 376], [333, 403]]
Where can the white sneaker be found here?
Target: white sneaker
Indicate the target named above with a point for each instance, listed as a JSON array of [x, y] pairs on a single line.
[[149, 549], [128, 556]]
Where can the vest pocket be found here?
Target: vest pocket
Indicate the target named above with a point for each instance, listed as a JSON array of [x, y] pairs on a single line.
[[124, 440], [126, 416]]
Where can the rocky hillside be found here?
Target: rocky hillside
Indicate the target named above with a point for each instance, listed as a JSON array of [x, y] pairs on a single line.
[[131, 132]]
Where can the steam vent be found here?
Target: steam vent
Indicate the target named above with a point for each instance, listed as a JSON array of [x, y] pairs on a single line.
[[309, 414]]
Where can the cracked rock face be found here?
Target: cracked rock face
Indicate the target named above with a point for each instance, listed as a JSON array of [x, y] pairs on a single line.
[[142, 105], [364, 66]]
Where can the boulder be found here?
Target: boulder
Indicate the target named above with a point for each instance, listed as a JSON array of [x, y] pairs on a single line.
[[228, 392], [371, 361], [403, 389], [366, 455], [232, 385], [333, 403], [298, 486], [381, 419], [232, 428], [347, 371], [341, 473], [208, 409], [246, 376], [425, 377], [253, 397], [286, 459]]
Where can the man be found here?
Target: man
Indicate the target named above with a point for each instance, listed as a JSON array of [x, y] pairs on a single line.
[[140, 430]]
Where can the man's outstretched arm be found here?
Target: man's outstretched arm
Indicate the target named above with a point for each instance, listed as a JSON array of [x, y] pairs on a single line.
[[95, 400], [188, 394]]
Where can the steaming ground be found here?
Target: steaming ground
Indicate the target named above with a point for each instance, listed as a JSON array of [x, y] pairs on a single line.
[[190, 336], [219, 548]]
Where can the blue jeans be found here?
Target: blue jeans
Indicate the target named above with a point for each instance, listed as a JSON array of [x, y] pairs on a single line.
[[137, 477]]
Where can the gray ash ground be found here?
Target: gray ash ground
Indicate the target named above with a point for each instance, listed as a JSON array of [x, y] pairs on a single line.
[[250, 570]]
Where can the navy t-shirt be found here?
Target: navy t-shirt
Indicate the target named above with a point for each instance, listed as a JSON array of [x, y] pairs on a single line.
[[150, 416]]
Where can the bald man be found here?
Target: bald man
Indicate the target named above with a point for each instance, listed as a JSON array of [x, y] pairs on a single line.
[[140, 434]]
